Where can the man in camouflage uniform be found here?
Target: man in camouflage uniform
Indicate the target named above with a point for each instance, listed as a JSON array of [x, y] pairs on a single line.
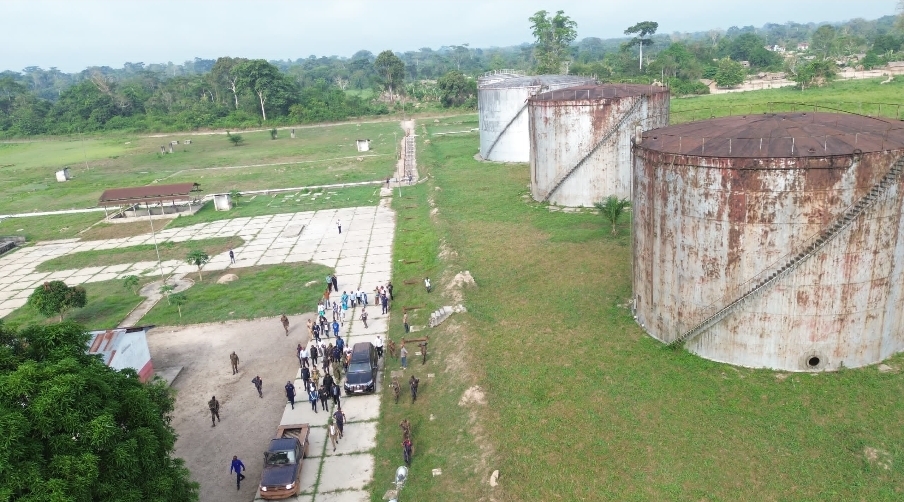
[[214, 407], [234, 359]]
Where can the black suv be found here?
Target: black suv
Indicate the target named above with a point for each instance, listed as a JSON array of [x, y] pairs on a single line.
[[362, 369]]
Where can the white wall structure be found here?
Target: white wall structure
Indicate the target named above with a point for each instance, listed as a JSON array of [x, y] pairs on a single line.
[[63, 175], [222, 202], [502, 111], [363, 145], [581, 140]]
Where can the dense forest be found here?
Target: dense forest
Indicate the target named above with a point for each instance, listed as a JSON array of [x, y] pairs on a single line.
[[235, 93]]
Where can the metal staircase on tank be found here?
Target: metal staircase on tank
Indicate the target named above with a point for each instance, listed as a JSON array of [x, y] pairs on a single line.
[[815, 244], [561, 179]]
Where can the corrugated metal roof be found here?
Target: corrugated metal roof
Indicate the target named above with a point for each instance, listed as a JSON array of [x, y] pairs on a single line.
[[535, 81], [150, 193], [778, 135], [103, 342], [598, 92]]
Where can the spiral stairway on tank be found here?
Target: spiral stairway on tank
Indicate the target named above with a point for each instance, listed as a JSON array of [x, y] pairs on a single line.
[[617, 127], [843, 222]]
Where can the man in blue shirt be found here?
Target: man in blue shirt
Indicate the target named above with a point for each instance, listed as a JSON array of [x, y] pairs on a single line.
[[237, 467]]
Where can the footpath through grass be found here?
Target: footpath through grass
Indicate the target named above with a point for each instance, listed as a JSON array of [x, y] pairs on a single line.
[[580, 403], [108, 304], [144, 252], [258, 292]]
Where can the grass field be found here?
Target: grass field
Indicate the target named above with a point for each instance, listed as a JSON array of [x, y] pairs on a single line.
[[108, 304], [44, 228], [318, 155], [258, 292], [144, 252], [866, 96], [581, 404]]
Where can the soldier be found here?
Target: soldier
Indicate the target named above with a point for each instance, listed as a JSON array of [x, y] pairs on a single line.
[[235, 362], [214, 406], [315, 375], [310, 323], [334, 434], [285, 323], [390, 346], [364, 317], [413, 383], [405, 322], [258, 383], [406, 428], [337, 373], [396, 388], [389, 290]]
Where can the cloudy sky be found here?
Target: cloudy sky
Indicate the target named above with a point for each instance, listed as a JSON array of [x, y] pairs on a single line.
[[73, 34]]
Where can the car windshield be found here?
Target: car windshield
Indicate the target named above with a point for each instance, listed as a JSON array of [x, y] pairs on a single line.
[[359, 368], [280, 457]]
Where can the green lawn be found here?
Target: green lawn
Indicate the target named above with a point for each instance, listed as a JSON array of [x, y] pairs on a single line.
[[108, 304], [44, 228], [866, 96], [286, 202], [258, 292], [320, 154], [133, 254], [581, 404]]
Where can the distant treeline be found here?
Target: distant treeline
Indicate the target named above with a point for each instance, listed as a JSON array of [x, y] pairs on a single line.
[[234, 93]]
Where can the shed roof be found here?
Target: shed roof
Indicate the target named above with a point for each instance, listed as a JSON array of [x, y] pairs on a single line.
[[150, 193], [598, 92], [778, 135], [103, 342]]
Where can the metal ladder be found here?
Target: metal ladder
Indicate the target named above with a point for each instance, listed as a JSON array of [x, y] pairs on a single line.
[[561, 179], [498, 137], [843, 222]]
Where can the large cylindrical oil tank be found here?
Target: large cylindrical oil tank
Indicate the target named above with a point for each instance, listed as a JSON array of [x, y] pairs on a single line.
[[502, 112], [772, 241], [581, 139]]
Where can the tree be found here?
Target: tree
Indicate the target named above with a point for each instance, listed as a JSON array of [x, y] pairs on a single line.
[[729, 73], [166, 290], [824, 43], [263, 79], [75, 429], [223, 74], [197, 258], [812, 73], [178, 299], [899, 22], [552, 37], [643, 31], [391, 70], [55, 298], [456, 89], [131, 282], [612, 208]]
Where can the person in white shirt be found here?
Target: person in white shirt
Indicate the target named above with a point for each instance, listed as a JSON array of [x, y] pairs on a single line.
[[378, 343]]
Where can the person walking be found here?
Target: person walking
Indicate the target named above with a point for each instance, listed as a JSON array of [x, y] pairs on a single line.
[[214, 407], [336, 328], [337, 371], [237, 467], [403, 355], [290, 393], [339, 416], [328, 383], [258, 383], [298, 354], [305, 355], [285, 323], [389, 289], [315, 353], [405, 322], [390, 346], [413, 384], [312, 397], [315, 331], [334, 434], [339, 225], [427, 283], [384, 302], [329, 283], [234, 359], [232, 256], [336, 392], [364, 317], [327, 354], [335, 283], [378, 344], [324, 396], [305, 376]]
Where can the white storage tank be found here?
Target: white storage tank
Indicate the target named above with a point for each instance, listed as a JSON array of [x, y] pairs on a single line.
[[581, 139], [502, 111]]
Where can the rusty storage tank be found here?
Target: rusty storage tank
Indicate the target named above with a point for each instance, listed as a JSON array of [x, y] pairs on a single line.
[[772, 241], [502, 112], [581, 139]]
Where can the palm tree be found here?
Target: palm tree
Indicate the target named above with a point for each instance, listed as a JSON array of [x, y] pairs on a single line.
[[178, 299], [612, 208]]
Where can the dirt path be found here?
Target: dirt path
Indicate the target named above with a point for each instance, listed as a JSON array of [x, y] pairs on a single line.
[[248, 422]]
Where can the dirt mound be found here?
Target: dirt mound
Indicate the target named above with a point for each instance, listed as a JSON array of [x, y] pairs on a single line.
[[227, 278], [879, 457], [474, 395]]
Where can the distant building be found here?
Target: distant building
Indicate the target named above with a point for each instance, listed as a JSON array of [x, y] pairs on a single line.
[[123, 348], [803, 46], [775, 48]]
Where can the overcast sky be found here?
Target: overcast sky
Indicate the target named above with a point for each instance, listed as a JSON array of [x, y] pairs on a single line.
[[74, 34]]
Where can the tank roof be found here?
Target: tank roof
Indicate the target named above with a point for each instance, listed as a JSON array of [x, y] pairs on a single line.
[[596, 92], [533, 81], [778, 135]]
